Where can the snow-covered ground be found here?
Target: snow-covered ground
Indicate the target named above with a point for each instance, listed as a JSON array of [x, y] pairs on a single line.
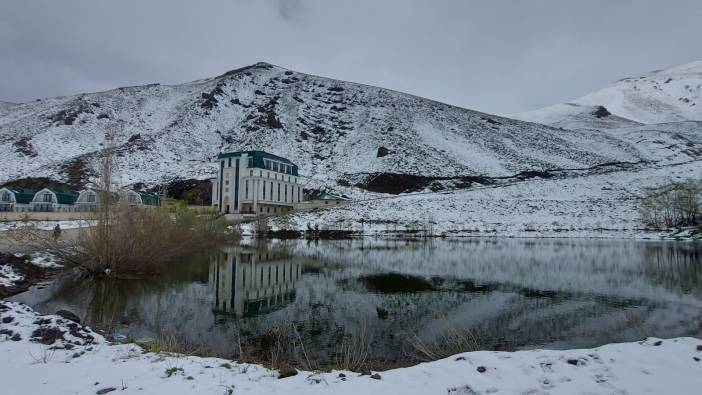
[[73, 360], [9, 276], [44, 225], [592, 205]]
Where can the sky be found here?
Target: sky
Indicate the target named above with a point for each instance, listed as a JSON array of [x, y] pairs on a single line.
[[495, 56]]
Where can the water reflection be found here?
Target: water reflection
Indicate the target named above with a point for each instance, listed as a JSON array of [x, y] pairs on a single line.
[[248, 281], [508, 293]]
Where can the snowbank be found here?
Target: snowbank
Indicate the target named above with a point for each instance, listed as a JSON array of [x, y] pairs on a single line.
[[44, 225], [82, 362]]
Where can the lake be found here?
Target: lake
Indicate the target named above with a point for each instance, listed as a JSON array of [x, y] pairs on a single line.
[[400, 302]]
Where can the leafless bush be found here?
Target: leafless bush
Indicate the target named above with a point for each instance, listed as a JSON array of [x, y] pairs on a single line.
[[675, 204], [126, 241]]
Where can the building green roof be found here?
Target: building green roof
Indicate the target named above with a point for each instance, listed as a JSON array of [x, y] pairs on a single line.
[[258, 157], [65, 196], [22, 195]]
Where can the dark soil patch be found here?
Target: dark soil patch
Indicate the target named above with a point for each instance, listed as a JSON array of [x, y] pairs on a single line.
[[31, 274], [36, 183], [396, 183]]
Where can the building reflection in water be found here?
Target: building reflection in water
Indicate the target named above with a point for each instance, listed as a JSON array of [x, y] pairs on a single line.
[[249, 281]]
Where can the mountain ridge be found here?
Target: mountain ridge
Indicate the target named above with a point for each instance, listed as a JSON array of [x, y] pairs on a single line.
[[667, 95], [329, 127]]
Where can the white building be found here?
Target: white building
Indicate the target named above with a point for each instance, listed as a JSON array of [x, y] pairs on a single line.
[[88, 200], [54, 200], [15, 199], [257, 183]]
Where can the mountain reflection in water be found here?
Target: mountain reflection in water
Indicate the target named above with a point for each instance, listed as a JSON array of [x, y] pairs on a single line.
[[509, 293]]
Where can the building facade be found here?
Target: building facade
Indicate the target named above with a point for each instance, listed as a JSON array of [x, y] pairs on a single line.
[[255, 183], [15, 199], [54, 200]]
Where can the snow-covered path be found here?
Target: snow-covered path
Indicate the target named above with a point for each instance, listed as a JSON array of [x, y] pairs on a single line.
[[649, 367]]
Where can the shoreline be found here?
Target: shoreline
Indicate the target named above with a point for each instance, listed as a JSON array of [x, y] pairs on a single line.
[[52, 353]]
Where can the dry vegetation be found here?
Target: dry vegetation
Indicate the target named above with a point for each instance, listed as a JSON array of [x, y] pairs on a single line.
[[129, 242], [677, 204]]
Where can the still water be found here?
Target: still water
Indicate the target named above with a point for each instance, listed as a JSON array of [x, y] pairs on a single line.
[[504, 293]]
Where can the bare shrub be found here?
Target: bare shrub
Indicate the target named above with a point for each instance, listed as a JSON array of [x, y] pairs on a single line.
[[136, 241], [674, 204]]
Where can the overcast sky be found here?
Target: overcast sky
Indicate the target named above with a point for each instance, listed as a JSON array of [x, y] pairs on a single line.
[[493, 55]]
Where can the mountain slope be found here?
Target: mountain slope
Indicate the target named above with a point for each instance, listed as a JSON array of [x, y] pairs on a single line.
[[576, 116], [328, 127], [671, 95]]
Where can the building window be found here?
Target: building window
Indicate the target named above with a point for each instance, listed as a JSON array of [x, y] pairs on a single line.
[[230, 163], [260, 173], [246, 190], [278, 191], [226, 182], [268, 209], [264, 190], [298, 194], [271, 198], [251, 173], [6, 196], [261, 209], [286, 193], [250, 161], [275, 166], [47, 197]]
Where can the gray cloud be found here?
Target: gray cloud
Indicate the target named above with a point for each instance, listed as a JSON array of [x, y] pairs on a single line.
[[496, 56]]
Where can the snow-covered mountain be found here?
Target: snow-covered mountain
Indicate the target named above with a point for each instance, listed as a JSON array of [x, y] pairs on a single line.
[[671, 95], [328, 127], [576, 116]]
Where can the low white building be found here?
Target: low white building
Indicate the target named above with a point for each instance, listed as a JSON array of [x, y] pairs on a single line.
[[255, 183], [88, 200], [138, 199], [15, 199], [54, 200]]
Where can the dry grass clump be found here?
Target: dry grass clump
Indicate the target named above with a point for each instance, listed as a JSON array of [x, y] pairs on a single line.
[[452, 341], [352, 352]]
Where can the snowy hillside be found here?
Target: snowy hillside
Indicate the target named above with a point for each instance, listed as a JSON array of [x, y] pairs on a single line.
[[602, 202], [328, 127], [670, 95], [576, 116]]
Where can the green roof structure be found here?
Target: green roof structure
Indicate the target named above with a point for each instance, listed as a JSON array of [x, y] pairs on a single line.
[[65, 196], [258, 157], [22, 195]]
